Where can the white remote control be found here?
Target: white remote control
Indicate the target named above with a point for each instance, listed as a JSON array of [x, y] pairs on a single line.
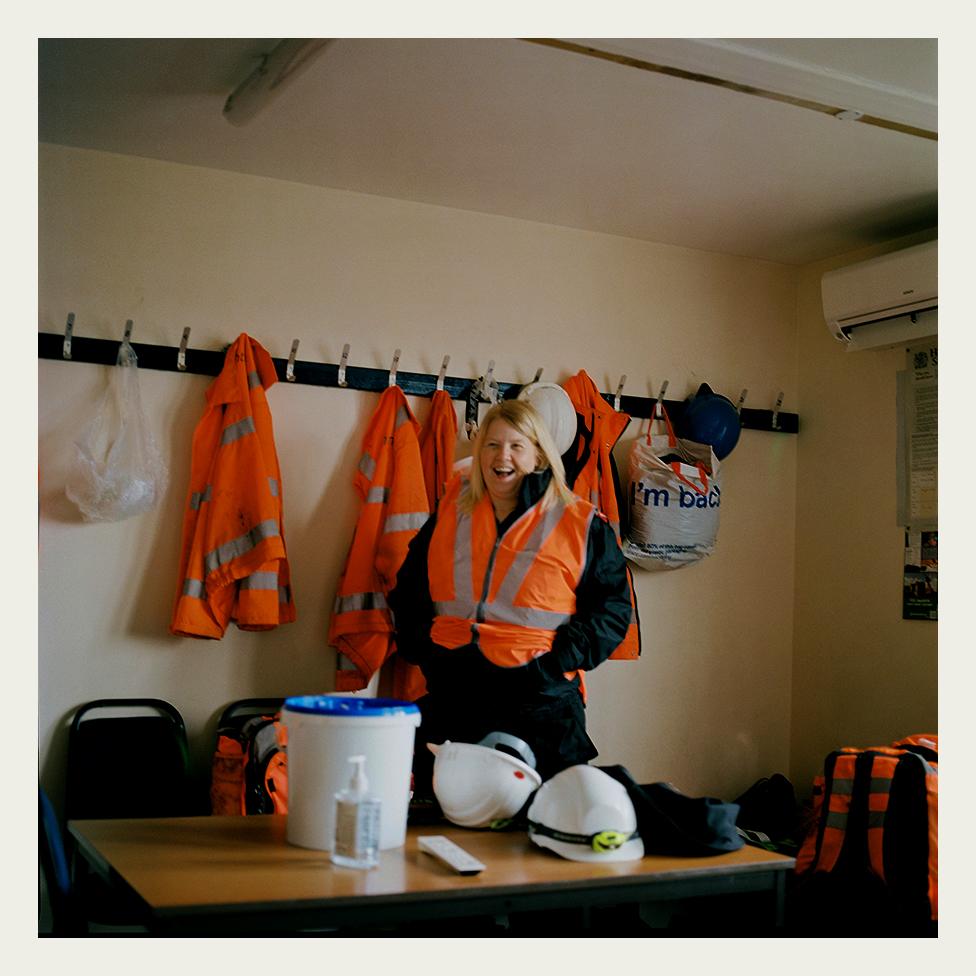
[[445, 850]]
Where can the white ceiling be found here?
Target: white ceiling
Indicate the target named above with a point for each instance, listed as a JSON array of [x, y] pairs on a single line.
[[505, 126]]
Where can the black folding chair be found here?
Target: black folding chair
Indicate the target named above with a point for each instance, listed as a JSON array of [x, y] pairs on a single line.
[[128, 757]]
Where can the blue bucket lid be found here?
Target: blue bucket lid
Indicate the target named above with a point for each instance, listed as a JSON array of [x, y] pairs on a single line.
[[338, 705]]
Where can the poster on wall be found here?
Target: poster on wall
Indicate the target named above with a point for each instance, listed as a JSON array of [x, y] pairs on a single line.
[[920, 592], [918, 480], [922, 436]]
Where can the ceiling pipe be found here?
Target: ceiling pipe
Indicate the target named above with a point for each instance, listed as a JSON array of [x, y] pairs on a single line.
[[288, 59]]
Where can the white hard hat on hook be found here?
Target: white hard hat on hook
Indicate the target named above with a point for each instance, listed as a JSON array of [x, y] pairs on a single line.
[[556, 409]]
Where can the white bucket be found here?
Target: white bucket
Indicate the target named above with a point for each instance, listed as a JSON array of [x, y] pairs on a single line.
[[323, 732]]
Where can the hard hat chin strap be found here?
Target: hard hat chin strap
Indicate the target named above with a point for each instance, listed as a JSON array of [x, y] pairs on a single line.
[[602, 840]]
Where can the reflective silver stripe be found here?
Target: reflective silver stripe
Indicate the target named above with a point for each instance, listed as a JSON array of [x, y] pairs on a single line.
[[525, 558], [523, 616], [502, 608], [367, 465], [260, 581], [239, 546], [360, 601], [880, 784], [405, 521], [233, 432], [876, 818], [586, 545], [199, 497], [836, 820], [842, 787], [253, 379], [273, 487], [379, 495], [464, 609], [463, 583], [193, 587], [401, 417]]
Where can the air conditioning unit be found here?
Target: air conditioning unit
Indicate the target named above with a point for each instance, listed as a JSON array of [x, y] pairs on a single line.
[[886, 301]]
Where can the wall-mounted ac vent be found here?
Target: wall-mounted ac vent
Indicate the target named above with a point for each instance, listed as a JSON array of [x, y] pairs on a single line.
[[886, 301]]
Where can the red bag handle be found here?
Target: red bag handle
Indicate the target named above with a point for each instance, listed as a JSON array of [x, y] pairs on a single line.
[[673, 442]]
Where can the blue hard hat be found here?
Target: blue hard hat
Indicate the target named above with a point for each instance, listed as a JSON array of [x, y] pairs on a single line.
[[710, 418]]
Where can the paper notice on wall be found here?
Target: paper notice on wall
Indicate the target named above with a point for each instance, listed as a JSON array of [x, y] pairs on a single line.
[[918, 455], [920, 593]]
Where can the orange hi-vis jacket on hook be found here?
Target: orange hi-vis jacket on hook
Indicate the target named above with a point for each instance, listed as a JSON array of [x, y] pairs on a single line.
[[233, 564], [595, 481], [390, 482], [437, 443]]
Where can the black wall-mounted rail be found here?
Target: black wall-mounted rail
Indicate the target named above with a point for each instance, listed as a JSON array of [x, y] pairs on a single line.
[[207, 362]]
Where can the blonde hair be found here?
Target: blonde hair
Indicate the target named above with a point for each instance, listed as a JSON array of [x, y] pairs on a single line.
[[523, 417]]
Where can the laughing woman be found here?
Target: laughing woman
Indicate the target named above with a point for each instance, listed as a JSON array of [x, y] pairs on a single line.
[[512, 589]]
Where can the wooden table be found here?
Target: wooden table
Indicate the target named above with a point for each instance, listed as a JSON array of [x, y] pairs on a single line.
[[211, 875]]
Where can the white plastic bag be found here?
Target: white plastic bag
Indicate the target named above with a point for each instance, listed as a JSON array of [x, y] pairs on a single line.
[[673, 501], [117, 470]]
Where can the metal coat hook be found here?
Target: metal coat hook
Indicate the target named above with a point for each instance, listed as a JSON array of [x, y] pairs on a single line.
[[779, 403], [742, 400], [181, 355], [484, 389], [342, 365], [68, 330], [659, 405], [538, 375], [290, 368], [443, 372], [489, 386], [620, 389], [128, 331], [393, 368]]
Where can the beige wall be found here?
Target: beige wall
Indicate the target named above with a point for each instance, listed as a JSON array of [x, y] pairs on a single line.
[[861, 674], [708, 705]]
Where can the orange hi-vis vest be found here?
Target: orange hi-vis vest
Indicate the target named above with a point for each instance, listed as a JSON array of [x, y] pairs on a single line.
[[438, 440], [390, 482], [233, 564], [595, 481], [861, 786], [506, 594]]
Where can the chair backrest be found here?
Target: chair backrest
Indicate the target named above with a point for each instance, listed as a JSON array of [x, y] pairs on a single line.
[[128, 757], [247, 707]]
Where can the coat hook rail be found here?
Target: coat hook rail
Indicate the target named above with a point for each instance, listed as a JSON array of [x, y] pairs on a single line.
[[209, 362]]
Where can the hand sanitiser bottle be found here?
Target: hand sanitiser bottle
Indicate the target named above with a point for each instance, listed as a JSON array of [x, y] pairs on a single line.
[[357, 822]]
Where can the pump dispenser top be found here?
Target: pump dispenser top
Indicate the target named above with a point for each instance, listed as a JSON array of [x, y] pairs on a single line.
[[358, 784]]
